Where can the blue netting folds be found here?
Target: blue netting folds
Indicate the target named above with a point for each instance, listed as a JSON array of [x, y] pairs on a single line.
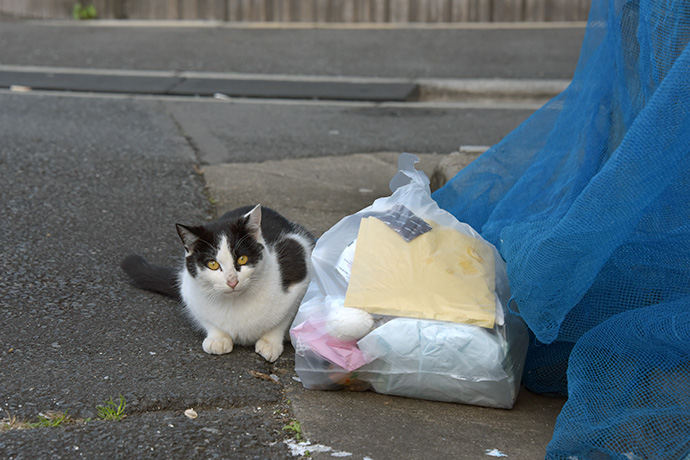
[[588, 201], [643, 412]]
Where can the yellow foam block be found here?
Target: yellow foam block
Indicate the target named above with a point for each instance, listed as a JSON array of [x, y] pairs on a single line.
[[442, 275]]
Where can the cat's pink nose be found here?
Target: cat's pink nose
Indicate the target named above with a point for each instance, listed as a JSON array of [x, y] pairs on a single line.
[[231, 283]]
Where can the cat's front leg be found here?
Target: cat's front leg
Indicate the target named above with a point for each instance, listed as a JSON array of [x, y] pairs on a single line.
[[217, 342], [270, 345]]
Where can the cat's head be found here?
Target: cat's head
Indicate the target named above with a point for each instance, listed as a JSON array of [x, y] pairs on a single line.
[[224, 256]]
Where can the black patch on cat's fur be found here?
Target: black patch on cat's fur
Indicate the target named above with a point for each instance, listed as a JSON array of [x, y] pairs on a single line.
[[243, 243], [234, 225], [144, 275], [290, 254], [273, 225], [292, 261]]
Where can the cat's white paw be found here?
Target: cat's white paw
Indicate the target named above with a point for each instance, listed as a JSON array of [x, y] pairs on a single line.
[[269, 350], [217, 345]]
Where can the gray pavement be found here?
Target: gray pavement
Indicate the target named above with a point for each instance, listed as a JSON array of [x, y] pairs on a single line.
[[87, 178], [227, 133], [85, 181], [544, 51]]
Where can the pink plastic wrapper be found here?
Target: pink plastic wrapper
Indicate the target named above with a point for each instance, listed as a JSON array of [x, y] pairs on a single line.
[[341, 353]]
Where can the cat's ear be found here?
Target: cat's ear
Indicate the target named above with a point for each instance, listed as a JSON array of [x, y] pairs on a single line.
[[253, 221], [188, 236]]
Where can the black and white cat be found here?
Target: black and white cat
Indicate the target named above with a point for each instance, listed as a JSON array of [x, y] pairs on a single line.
[[243, 278]]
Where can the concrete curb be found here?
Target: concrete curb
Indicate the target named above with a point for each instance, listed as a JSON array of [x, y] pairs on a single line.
[[451, 164], [294, 86], [435, 89], [345, 184]]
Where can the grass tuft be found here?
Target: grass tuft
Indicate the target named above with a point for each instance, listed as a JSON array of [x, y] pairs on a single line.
[[296, 429], [49, 419], [112, 410]]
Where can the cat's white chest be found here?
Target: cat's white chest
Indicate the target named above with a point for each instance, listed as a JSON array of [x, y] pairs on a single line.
[[245, 316]]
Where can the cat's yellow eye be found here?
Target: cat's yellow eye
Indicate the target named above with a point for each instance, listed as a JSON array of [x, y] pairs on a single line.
[[241, 260], [213, 265]]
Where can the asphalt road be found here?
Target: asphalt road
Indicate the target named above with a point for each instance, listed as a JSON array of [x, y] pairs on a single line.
[[548, 52], [85, 181], [247, 131]]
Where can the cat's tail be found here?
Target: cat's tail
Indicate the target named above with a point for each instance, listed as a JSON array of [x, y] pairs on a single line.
[[156, 278]]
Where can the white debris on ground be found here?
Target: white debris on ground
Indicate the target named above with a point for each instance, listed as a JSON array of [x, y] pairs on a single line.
[[299, 449], [495, 453], [20, 88]]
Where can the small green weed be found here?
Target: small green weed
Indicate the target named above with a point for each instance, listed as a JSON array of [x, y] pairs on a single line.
[[112, 410], [296, 429], [81, 12], [50, 420]]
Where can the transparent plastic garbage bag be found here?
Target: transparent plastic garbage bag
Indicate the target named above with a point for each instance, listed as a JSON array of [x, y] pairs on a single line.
[[340, 347]]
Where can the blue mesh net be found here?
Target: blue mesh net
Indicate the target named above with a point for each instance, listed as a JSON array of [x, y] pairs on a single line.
[[588, 201]]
